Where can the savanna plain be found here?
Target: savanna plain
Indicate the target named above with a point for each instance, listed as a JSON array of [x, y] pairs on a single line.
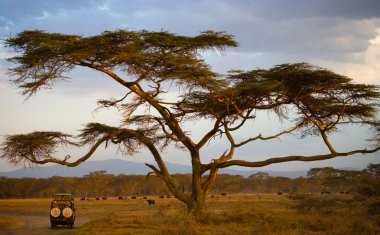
[[230, 214]]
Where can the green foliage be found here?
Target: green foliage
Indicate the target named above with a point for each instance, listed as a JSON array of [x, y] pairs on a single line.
[[46, 57], [373, 170], [94, 184], [314, 91], [368, 188], [368, 185], [94, 131], [33, 146]]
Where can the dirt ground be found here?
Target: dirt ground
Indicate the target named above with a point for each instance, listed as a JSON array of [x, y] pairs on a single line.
[[40, 224]]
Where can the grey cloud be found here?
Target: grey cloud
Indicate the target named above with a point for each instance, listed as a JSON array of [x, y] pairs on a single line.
[[269, 10], [321, 28], [281, 9], [5, 23], [81, 22], [313, 35], [19, 10]]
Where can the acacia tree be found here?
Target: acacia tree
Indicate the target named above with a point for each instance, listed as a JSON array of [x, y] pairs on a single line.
[[147, 64]]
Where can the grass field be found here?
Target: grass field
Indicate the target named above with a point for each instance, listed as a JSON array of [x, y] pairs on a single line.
[[234, 214]]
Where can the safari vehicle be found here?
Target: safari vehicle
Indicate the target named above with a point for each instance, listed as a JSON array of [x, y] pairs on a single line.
[[62, 210]]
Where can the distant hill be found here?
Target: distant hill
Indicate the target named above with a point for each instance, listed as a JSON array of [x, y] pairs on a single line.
[[117, 166]]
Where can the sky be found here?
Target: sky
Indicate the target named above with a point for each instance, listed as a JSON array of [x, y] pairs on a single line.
[[341, 35]]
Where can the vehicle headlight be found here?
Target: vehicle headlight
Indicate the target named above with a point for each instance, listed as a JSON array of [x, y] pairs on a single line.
[[55, 212], [67, 212]]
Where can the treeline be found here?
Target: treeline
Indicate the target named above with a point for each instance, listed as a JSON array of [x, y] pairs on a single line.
[[102, 184]]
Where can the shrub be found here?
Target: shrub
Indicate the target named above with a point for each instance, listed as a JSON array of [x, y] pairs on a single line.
[[321, 205], [373, 206]]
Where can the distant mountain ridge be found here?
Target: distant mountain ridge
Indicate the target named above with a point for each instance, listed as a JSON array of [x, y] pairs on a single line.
[[118, 166]]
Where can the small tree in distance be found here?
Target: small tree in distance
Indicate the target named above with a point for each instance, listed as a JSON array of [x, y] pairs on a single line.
[[147, 64]]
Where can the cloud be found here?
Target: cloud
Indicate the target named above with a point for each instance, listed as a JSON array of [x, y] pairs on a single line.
[[324, 38], [319, 29], [365, 68], [3, 81], [5, 24], [270, 9], [284, 10], [19, 10], [369, 71], [2, 87], [54, 15]]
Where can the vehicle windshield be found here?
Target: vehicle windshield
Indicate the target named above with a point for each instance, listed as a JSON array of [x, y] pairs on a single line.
[[62, 197]]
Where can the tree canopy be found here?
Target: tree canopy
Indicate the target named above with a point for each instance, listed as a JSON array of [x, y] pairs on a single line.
[[315, 100]]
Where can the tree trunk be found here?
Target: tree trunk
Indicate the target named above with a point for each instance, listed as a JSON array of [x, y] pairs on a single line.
[[197, 198], [195, 205]]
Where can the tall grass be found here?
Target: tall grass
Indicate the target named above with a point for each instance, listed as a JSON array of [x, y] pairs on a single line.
[[236, 214]]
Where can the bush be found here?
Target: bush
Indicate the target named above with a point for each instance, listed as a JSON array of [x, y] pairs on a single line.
[[321, 205], [373, 206], [368, 187]]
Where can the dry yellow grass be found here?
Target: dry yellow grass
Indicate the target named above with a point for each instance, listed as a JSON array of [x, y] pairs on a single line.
[[10, 223], [235, 214]]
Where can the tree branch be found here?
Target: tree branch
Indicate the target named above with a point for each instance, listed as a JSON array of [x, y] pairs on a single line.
[[155, 170], [327, 142], [112, 102], [106, 71], [260, 137], [206, 185], [245, 118], [64, 162], [294, 158], [211, 133], [333, 124], [170, 135]]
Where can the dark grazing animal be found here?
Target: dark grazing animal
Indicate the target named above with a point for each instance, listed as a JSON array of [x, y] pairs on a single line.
[[151, 202]]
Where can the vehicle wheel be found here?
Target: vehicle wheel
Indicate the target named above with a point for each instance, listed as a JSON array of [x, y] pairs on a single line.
[[71, 225], [52, 225]]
